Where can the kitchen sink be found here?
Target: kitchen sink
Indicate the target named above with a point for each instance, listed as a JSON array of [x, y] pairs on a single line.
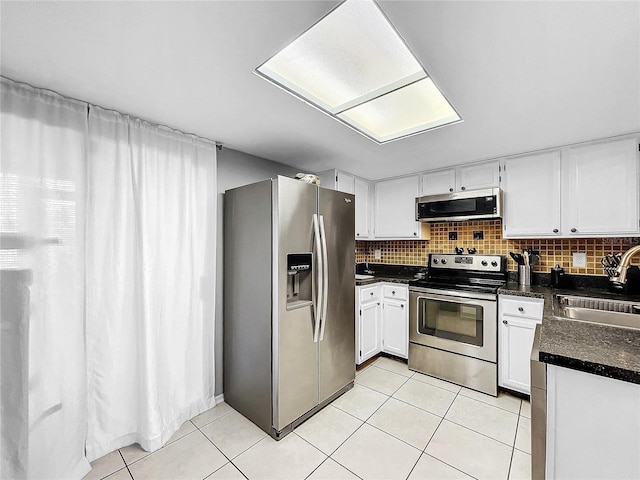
[[360, 276], [616, 313]]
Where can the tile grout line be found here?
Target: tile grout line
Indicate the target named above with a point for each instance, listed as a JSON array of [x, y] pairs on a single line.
[[329, 456], [125, 465], [221, 452], [515, 437], [424, 452]]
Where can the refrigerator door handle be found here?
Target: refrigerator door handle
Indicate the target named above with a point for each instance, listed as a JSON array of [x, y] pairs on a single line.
[[325, 280], [318, 291]]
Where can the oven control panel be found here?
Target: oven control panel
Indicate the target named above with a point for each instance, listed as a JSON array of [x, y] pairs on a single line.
[[486, 263]]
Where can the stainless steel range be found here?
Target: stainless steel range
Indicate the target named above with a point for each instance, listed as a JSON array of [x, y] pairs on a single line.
[[453, 319]]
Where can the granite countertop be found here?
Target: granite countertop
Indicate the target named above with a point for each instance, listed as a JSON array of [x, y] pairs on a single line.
[[598, 349], [382, 278], [389, 273]]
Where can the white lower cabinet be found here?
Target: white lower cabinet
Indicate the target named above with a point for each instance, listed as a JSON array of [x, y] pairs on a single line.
[[394, 328], [370, 331], [368, 322], [382, 320], [518, 317]]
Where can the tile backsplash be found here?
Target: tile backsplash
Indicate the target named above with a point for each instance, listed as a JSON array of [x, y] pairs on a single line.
[[552, 250]]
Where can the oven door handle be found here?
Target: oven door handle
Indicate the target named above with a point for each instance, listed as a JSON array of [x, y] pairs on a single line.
[[453, 295]]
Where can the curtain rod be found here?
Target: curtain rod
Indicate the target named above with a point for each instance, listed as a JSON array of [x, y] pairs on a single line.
[[218, 145]]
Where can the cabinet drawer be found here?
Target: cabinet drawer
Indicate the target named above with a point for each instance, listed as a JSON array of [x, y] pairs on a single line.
[[530, 308], [369, 294], [399, 292]]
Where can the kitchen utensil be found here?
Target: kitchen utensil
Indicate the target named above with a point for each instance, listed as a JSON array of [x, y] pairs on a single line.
[[459, 250], [525, 254], [534, 258], [524, 275], [472, 251], [517, 258]]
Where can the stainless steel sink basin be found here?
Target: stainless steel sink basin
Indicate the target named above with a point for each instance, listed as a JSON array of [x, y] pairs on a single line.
[[602, 311], [360, 276]]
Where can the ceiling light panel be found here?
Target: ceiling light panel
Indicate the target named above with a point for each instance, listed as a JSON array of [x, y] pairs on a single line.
[[406, 111], [353, 56]]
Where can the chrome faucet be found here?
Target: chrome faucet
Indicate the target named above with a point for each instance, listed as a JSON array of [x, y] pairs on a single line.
[[620, 274]]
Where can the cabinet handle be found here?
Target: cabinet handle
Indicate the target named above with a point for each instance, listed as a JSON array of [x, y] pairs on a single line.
[[573, 230], [402, 305], [505, 322], [555, 230], [371, 293], [357, 234], [378, 303], [415, 234], [520, 309], [463, 188], [393, 292], [451, 189]]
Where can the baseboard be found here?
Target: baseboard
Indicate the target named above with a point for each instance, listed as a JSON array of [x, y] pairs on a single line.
[[219, 398]]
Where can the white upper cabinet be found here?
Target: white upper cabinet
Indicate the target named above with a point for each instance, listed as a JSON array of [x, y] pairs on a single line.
[[600, 188], [438, 182], [477, 176], [531, 195], [588, 190], [345, 182], [474, 176], [337, 180], [394, 208], [362, 208]]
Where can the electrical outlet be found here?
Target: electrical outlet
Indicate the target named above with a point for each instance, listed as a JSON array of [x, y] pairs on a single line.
[[377, 254], [579, 259]]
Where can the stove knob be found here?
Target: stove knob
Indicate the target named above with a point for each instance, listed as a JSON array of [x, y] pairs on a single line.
[[484, 263], [494, 264], [435, 261], [444, 260]]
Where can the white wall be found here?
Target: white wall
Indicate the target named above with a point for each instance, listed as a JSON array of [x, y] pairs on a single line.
[[234, 170]]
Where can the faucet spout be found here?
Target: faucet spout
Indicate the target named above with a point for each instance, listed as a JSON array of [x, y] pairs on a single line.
[[620, 274]]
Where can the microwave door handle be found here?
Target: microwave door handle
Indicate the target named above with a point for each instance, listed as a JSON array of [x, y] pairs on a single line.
[[325, 280], [319, 277]]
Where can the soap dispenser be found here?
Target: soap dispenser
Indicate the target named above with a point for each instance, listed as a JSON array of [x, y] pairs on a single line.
[[557, 276]]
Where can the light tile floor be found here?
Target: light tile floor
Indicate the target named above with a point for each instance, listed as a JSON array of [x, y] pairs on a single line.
[[394, 424]]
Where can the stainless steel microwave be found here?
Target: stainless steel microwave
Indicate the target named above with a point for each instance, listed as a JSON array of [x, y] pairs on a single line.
[[455, 207]]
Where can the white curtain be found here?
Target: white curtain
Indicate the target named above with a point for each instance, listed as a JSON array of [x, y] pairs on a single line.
[[107, 259], [150, 281], [42, 358]]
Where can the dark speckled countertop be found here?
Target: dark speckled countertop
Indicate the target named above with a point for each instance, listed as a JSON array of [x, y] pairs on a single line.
[[388, 273], [382, 278], [599, 349]]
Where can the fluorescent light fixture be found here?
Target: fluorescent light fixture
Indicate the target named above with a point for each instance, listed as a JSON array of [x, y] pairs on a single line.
[[354, 66]]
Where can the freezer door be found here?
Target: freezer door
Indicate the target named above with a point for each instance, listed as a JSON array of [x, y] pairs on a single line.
[[295, 355], [337, 337]]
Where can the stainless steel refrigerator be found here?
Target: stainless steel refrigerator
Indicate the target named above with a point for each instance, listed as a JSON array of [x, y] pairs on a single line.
[[289, 319]]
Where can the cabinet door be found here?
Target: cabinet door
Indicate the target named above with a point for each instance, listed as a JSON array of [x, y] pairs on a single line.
[[438, 182], [516, 340], [362, 208], [477, 176], [394, 208], [600, 187], [345, 182], [531, 195], [395, 326], [369, 331]]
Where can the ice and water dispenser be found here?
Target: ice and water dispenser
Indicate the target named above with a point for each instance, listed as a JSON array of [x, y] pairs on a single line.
[[299, 280]]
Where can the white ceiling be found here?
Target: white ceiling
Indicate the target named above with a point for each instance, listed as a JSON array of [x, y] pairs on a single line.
[[523, 75]]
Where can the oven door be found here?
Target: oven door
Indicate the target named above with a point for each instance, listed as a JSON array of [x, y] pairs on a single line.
[[458, 322]]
